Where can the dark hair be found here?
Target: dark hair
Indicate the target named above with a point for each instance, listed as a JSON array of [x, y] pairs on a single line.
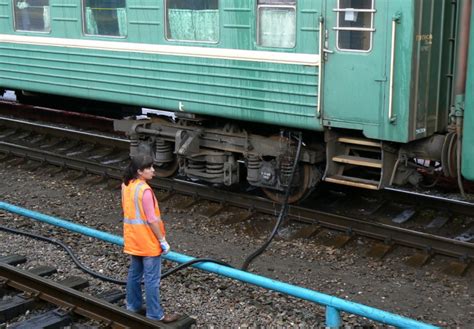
[[138, 162]]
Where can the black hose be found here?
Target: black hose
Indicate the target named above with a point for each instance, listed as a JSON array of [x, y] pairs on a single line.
[[283, 211], [68, 250], [100, 276], [191, 262]]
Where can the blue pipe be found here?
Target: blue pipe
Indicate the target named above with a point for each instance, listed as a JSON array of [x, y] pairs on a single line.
[[334, 304]]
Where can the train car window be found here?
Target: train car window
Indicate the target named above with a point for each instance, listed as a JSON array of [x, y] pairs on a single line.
[[32, 15], [355, 24], [105, 18], [192, 20], [276, 23]]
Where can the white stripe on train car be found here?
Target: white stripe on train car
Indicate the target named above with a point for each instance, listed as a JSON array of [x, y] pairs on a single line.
[[203, 52]]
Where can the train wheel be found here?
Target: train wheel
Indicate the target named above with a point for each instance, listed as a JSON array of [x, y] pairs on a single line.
[[307, 181], [166, 170]]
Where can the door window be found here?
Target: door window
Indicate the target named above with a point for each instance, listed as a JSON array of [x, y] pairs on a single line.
[[32, 15], [192, 20], [276, 23], [105, 18], [355, 24]]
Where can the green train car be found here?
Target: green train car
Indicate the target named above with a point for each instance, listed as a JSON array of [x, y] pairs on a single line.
[[377, 87]]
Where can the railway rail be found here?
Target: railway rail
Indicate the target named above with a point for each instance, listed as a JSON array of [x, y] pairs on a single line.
[[34, 287], [105, 156]]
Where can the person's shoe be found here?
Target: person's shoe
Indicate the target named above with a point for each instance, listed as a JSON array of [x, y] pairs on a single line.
[[170, 318]]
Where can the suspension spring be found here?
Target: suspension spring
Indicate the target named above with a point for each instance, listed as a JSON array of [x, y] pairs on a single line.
[[286, 168], [134, 143], [196, 165], [163, 151], [162, 146], [254, 162], [214, 168], [134, 140]]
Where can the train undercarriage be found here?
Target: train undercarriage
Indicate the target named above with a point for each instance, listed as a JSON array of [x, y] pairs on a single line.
[[226, 155]]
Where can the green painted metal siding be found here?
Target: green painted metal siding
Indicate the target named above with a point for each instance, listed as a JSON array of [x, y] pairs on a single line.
[[468, 138], [272, 93], [356, 85], [5, 17], [422, 68], [355, 81], [430, 82]]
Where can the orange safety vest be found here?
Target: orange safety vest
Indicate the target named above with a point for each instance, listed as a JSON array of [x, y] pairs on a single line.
[[139, 239]]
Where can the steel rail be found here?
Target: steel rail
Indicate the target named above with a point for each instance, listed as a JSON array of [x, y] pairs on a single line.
[[439, 202], [65, 132], [33, 112], [60, 160], [88, 306], [384, 232], [388, 233]]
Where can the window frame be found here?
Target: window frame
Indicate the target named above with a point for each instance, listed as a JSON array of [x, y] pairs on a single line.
[[83, 15], [371, 29], [257, 29], [30, 31], [165, 20]]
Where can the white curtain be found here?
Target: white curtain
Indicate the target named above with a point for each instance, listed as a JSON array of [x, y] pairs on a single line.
[[47, 18], [277, 27], [91, 24], [122, 21], [193, 25]]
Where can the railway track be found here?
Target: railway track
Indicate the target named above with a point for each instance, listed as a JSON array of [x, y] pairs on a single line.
[[23, 290], [106, 156]]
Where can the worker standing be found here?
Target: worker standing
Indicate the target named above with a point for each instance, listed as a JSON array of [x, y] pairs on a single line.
[[144, 239]]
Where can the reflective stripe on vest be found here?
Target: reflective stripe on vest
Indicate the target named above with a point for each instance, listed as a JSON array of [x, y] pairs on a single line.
[[135, 221], [136, 196]]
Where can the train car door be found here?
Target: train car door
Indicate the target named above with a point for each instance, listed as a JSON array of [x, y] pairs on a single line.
[[354, 57]]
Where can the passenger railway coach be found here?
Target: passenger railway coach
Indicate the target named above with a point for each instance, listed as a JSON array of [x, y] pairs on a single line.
[[377, 87]]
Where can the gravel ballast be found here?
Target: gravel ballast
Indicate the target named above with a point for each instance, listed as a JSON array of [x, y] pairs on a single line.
[[422, 293]]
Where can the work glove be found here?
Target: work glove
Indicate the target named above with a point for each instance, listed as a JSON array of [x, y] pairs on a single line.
[[165, 247]]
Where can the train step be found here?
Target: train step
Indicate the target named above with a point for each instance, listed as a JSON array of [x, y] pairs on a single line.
[[353, 181], [358, 161], [359, 141]]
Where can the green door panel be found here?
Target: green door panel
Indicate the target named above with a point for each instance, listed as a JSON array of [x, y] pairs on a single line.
[[354, 79], [357, 93], [468, 138]]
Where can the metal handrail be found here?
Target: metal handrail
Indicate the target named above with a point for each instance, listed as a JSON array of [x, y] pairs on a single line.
[[359, 29], [355, 10], [395, 21], [321, 64]]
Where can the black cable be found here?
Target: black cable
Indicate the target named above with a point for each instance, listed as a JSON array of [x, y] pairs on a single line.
[[191, 262], [283, 211], [100, 276], [68, 250]]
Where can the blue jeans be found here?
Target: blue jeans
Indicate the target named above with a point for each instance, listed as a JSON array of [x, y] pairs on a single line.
[[150, 269]]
